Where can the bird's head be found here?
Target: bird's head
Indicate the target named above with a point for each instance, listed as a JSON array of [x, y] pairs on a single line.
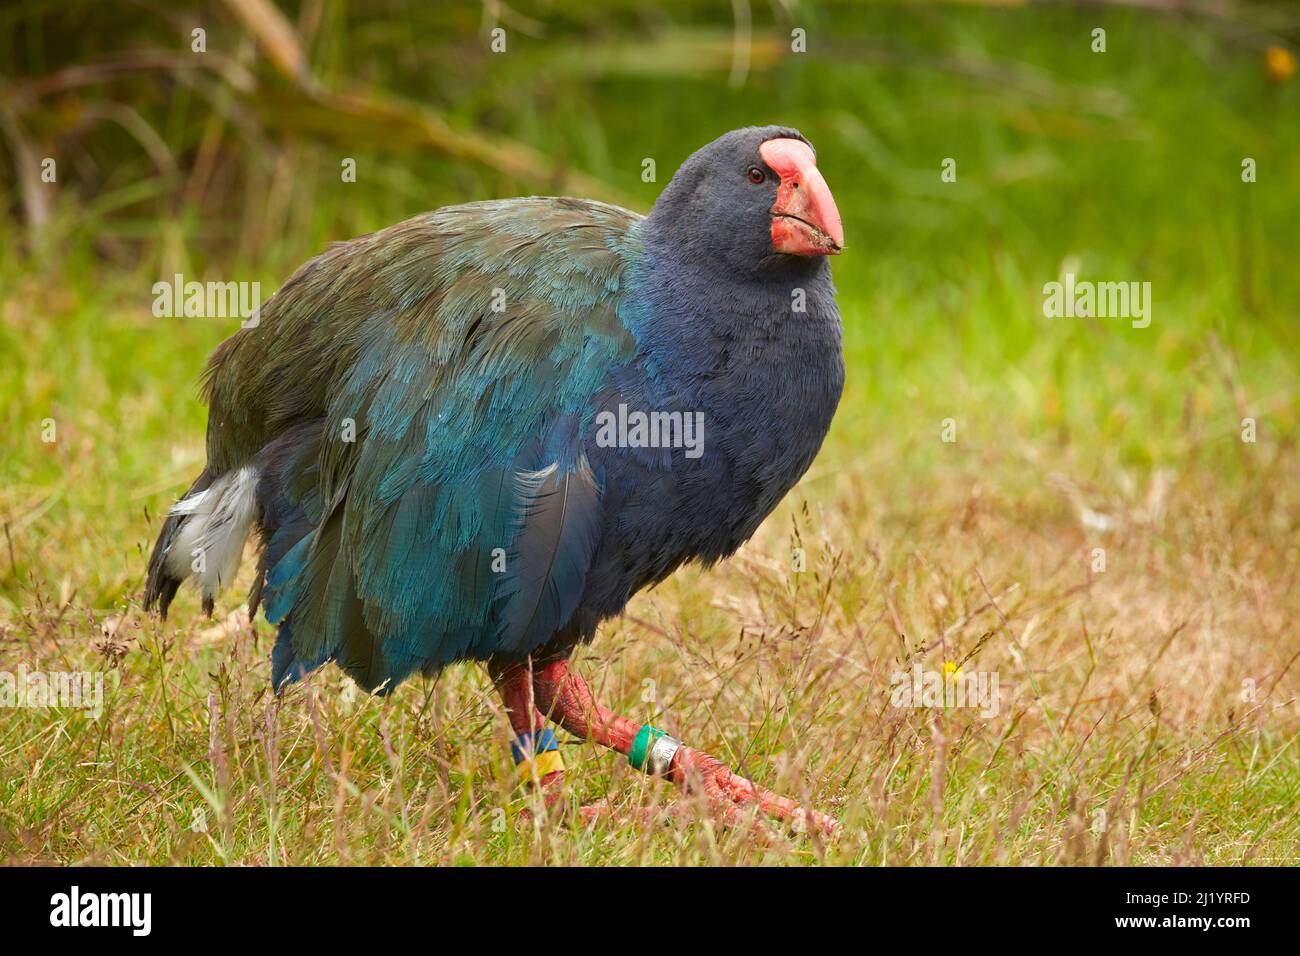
[[754, 198]]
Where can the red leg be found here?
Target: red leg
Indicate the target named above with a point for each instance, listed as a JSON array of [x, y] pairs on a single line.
[[514, 683], [564, 697]]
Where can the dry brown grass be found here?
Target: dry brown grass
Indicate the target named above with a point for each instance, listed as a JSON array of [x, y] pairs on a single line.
[[1126, 730]]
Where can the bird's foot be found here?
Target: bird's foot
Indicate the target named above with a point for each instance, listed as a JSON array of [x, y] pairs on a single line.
[[546, 796], [727, 815], [564, 696], [722, 789], [716, 793], [555, 692]]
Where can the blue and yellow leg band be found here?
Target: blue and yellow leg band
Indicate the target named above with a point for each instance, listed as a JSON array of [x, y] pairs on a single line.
[[537, 754]]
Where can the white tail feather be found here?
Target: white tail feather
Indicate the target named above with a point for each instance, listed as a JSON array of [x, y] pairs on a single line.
[[216, 523]]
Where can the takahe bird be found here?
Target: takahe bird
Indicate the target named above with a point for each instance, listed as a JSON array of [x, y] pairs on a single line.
[[476, 434]]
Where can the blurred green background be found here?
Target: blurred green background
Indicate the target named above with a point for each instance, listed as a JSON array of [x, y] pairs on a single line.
[[226, 165]]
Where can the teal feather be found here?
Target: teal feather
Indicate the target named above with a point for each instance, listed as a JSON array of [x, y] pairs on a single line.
[[395, 337]]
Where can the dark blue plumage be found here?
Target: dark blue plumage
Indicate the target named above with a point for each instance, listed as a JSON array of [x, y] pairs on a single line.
[[421, 409]]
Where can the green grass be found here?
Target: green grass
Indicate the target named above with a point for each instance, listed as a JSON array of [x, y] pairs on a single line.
[[1128, 730]]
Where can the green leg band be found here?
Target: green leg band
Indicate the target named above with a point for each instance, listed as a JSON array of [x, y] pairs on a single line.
[[652, 751]]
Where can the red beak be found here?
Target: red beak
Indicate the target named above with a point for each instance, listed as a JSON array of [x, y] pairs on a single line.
[[805, 221]]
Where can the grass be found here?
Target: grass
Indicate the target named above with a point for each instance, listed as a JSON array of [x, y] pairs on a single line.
[[1147, 711]]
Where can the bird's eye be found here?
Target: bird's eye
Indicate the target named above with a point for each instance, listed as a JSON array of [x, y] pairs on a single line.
[[755, 175]]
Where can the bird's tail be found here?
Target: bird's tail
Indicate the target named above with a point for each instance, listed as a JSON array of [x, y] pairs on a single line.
[[203, 537]]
